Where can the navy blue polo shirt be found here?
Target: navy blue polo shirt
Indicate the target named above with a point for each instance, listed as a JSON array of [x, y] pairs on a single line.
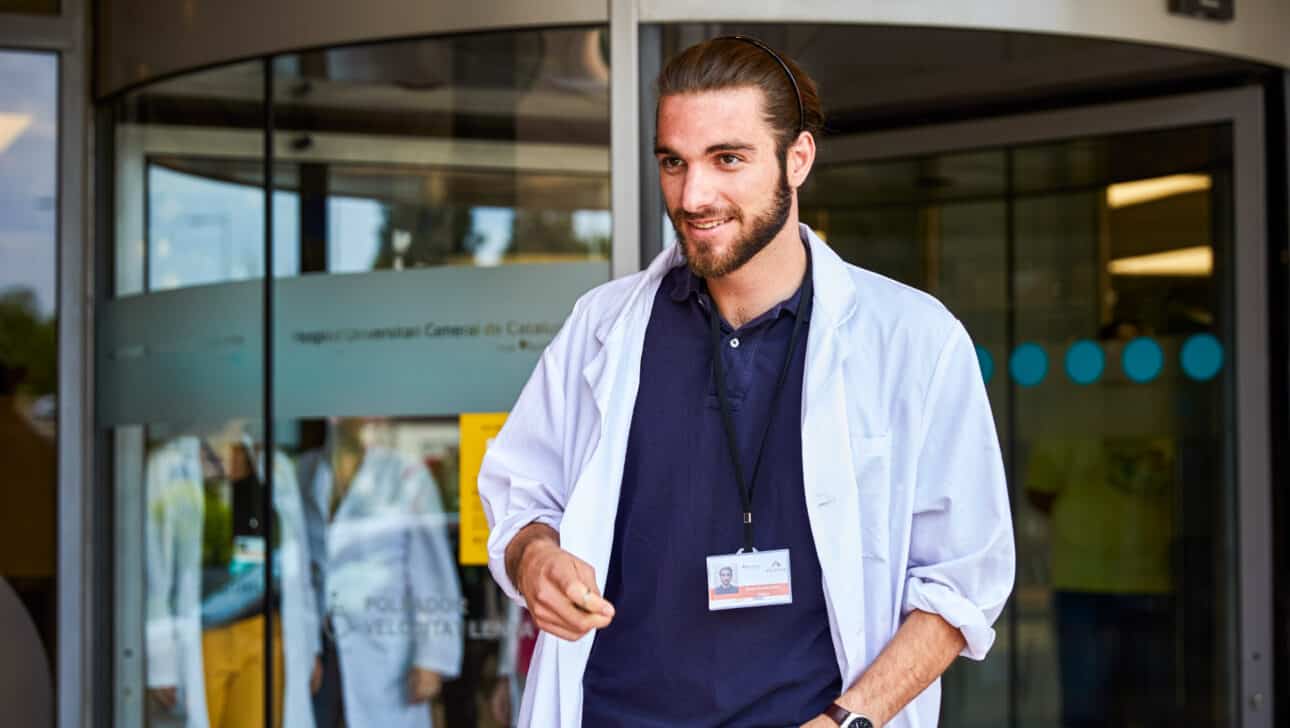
[[666, 660]]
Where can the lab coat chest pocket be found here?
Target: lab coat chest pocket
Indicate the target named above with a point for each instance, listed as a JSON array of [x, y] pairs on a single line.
[[871, 458]]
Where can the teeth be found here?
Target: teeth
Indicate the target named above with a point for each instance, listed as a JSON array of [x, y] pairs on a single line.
[[708, 225]]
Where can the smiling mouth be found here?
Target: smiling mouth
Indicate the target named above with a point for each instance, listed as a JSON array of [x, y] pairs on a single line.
[[709, 224]]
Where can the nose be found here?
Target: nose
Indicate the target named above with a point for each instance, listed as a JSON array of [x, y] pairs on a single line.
[[697, 190]]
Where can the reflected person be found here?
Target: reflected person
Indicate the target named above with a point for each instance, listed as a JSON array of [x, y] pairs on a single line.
[[391, 598], [1111, 501], [206, 548]]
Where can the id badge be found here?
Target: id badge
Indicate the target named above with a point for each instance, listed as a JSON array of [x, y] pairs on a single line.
[[248, 552], [749, 579]]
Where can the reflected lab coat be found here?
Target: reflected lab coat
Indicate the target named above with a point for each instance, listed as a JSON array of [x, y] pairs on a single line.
[[173, 600], [391, 588], [904, 481]]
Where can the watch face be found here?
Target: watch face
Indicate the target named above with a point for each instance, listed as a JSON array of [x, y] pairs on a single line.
[[859, 723]]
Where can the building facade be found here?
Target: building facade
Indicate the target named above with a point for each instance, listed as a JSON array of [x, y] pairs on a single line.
[[272, 276]]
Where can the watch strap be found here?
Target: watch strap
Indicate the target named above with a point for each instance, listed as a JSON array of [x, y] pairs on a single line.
[[846, 718], [837, 713]]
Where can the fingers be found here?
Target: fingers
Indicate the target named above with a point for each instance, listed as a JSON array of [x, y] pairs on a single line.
[[563, 588], [585, 598], [594, 604]]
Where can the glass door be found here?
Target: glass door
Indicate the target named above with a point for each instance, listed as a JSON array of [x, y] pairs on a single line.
[[382, 279], [1108, 264]]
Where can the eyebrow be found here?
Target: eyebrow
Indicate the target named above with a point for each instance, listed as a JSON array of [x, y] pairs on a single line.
[[713, 149]]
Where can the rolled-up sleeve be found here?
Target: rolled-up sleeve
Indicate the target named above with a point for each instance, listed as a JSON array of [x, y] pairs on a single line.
[[521, 479], [961, 555]]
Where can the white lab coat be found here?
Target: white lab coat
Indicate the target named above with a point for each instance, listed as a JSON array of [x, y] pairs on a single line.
[[391, 587], [904, 481], [173, 543]]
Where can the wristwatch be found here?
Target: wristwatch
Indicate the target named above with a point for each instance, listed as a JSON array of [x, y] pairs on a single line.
[[847, 719]]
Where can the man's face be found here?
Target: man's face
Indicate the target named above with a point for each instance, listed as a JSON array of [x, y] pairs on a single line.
[[724, 185], [726, 575]]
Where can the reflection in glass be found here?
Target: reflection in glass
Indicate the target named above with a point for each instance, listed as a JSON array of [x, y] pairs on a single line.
[[391, 603], [28, 377], [206, 551], [487, 151], [1111, 508], [482, 150], [206, 224], [399, 165], [1122, 614], [180, 353]]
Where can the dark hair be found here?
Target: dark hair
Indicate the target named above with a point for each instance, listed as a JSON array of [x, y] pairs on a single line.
[[729, 62]]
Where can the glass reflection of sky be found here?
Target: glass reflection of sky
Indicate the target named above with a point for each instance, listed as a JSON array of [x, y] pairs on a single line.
[[29, 175], [353, 234], [204, 230]]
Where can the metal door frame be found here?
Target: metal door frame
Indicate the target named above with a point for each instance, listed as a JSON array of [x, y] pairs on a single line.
[[66, 35]]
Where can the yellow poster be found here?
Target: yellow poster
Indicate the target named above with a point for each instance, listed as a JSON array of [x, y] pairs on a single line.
[[477, 430]]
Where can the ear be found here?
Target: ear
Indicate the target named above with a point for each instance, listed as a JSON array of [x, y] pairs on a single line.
[[801, 157]]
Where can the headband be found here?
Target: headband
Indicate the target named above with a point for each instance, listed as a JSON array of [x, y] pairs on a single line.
[[801, 107]]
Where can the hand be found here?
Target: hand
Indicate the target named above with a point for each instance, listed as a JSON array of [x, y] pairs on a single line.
[[561, 592], [423, 685], [166, 696], [316, 677], [820, 721], [499, 703]]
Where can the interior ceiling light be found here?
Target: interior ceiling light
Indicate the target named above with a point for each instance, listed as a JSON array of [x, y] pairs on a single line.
[[1194, 261], [11, 125], [1137, 192]]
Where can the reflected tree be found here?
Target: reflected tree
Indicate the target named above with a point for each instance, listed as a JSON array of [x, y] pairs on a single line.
[[28, 345]]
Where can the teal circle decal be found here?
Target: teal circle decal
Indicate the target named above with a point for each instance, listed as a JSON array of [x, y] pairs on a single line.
[[1028, 365], [1202, 357], [1085, 361], [986, 361], [1143, 359]]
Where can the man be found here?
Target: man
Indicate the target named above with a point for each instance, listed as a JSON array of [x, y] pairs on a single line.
[[823, 428], [726, 586]]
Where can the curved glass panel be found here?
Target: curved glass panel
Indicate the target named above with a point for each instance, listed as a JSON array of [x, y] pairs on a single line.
[[437, 207], [180, 388], [443, 234]]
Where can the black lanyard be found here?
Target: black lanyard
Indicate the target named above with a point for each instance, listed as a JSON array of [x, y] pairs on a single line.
[[746, 486]]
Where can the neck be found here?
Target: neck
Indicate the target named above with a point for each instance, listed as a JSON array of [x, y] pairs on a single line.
[[772, 275]]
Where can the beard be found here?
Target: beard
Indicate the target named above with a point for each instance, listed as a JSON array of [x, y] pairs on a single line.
[[705, 263]]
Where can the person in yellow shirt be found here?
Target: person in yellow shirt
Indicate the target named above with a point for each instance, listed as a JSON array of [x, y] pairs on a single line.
[[1111, 502]]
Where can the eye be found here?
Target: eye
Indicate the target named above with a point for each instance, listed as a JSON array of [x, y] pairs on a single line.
[[670, 163], [729, 160]]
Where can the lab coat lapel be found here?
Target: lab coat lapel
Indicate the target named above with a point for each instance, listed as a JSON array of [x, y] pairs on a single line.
[[828, 474], [613, 376]]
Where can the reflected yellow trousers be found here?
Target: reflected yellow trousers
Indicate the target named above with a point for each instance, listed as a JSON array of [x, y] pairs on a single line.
[[233, 658]]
